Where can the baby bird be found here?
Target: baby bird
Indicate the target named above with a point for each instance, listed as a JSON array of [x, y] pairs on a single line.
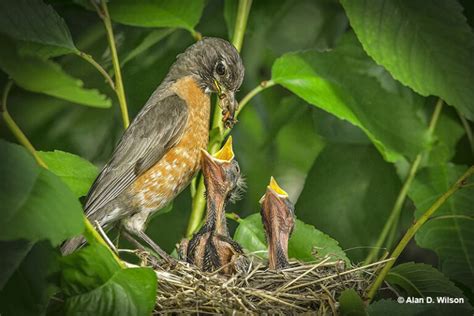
[[278, 216], [211, 247]]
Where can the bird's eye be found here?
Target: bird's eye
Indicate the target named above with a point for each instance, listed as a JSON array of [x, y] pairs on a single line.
[[220, 69]]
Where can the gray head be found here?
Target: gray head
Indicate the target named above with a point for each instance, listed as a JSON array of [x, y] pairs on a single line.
[[219, 69]]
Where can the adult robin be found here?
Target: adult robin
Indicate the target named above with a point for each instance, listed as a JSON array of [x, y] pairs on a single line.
[[278, 217], [212, 248], [160, 152]]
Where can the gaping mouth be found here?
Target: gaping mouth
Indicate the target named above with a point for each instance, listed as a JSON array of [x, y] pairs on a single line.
[[228, 104], [276, 188], [225, 154]]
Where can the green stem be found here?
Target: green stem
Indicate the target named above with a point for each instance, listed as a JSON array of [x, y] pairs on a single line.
[[90, 233], [414, 228], [198, 206], [104, 15], [233, 216], [241, 23], [97, 66], [199, 202], [15, 129], [262, 86], [397, 207], [196, 35]]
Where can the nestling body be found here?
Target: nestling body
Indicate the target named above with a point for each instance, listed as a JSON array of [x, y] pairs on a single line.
[[212, 248], [160, 151], [278, 217]]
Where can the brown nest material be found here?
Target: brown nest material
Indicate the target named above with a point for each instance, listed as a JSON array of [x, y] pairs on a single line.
[[301, 288]]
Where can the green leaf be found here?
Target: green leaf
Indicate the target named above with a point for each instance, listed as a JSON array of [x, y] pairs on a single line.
[[127, 292], [306, 243], [422, 280], [40, 29], [427, 46], [351, 304], [450, 232], [335, 130], [76, 172], [13, 253], [30, 288], [95, 284], [348, 84], [157, 13], [35, 204], [87, 269], [393, 308], [349, 193], [43, 76]]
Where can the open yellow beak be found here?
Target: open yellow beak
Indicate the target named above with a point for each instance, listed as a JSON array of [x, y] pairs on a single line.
[[226, 153], [276, 188]]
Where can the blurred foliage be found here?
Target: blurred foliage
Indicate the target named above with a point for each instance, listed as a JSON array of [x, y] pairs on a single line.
[[349, 113]]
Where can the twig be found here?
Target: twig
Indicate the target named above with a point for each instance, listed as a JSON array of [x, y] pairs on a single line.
[[414, 228], [241, 23], [97, 66], [15, 129], [392, 221], [103, 13]]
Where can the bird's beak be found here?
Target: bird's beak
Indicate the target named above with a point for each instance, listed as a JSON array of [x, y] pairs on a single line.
[[228, 105], [275, 188], [278, 221], [211, 164]]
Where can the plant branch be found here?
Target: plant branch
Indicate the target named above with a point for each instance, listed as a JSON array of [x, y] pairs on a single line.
[[198, 206], [262, 86], [392, 221], [15, 129], [103, 13], [414, 228], [97, 66], [199, 202], [92, 235], [241, 23]]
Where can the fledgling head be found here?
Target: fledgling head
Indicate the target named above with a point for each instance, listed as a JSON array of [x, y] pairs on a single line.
[[219, 69], [278, 216], [222, 173]]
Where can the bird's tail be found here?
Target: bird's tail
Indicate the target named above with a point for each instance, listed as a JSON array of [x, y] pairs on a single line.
[[72, 244]]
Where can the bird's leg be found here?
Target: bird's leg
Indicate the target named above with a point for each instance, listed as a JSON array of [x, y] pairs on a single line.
[[134, 225], [155, 247]]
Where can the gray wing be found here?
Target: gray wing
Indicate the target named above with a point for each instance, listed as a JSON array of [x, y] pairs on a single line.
[[156, 129]]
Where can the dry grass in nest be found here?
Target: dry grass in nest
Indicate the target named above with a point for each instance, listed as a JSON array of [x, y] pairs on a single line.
[[302, 287]]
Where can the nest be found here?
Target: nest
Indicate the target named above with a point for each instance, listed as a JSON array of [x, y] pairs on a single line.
[[301, 287]]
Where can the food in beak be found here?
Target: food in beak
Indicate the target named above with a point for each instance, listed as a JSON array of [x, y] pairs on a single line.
[[229, 106]]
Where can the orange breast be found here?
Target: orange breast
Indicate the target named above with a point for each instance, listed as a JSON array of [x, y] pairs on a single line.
[[161, 183]]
